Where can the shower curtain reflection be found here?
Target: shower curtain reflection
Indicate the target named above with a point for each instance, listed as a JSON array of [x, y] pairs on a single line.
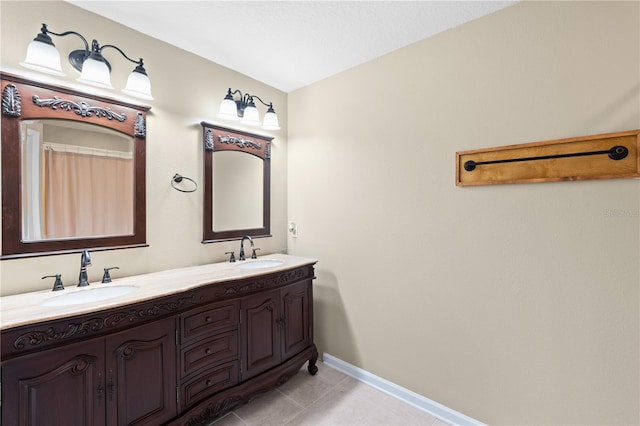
[[86, 194]]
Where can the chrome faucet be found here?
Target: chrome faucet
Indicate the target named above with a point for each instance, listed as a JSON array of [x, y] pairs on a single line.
[[85, 260], [246, 237]]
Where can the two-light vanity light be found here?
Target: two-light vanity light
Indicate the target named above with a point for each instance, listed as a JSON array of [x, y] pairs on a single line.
[[245, 109], [43, 56]]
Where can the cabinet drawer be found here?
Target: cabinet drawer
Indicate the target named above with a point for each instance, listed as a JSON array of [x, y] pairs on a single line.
[[209, 319], [209, 382], [209, 352]]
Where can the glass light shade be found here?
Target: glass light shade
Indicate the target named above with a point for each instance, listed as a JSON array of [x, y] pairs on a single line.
[[138, 85], [43, 57], [270, 120], [228, 109], [251, 116], [95, 73]]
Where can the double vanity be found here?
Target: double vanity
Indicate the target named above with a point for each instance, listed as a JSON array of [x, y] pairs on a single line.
[[178, 347]]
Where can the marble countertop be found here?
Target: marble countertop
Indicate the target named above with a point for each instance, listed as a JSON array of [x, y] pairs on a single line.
[[26, 308]]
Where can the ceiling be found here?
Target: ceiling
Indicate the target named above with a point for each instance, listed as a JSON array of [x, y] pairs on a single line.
[[291, 44]]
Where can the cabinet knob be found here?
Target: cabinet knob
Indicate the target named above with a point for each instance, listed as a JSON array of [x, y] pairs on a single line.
[[207, 351], [209, 383], [208, 319]]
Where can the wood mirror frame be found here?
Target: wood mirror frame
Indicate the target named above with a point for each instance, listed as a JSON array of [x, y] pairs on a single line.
[[216, 139], [26, 99]]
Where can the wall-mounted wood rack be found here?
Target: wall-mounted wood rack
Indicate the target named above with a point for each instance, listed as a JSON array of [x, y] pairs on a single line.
[[605, 156]]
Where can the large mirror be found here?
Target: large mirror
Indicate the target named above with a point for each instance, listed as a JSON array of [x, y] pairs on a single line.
[[236, 184], [73, 169]]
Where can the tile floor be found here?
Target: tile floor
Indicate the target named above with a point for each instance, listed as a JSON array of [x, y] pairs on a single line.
[[328, 398]]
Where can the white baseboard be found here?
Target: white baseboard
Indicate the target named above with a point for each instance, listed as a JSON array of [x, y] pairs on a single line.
[[438, 410]]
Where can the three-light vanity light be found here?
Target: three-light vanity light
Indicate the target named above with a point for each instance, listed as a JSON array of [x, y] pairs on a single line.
[[244, 109], [43, 56]]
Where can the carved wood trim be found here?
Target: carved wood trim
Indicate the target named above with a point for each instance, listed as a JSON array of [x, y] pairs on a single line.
[[140, 126], [239, 142], [11, 101], [128, 349], [208, 140], [38, 337], [242, 288], [217, 138], [81, 108]]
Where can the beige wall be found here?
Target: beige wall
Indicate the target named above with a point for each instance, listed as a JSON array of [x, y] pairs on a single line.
[[187, 90], [512, 304]]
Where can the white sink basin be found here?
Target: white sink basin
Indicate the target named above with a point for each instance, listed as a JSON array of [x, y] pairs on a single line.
[[87, 296], [259, 264]]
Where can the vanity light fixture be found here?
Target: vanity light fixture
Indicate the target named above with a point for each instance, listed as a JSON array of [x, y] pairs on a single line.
[[43, 56], [245, 109]]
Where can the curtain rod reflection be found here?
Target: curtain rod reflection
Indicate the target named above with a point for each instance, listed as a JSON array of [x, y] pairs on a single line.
[[84, 150]]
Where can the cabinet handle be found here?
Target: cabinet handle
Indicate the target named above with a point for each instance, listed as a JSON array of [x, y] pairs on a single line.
[[100, 389], [209, 383], [208, 319], [207, 351], [110, 386]]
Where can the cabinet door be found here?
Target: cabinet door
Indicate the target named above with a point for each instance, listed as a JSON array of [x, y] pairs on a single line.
[[58, 387], [295, 322], [260, 333], [141, 375]]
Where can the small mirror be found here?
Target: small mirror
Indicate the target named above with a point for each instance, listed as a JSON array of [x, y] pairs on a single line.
[[73, 171], [236, 184]]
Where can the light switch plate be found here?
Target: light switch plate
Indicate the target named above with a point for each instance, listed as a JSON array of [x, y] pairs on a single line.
[[293, 229]]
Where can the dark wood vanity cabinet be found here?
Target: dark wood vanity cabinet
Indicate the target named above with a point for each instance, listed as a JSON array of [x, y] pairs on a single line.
[[275, 325], [183, 359], [123, 379], [62, 386]]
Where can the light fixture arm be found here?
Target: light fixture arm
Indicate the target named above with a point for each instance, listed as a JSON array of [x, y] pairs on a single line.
[[244, 98], [242, 102], [45, 31], [76, 57], [230, 93], [270, 104], [100, 49]]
